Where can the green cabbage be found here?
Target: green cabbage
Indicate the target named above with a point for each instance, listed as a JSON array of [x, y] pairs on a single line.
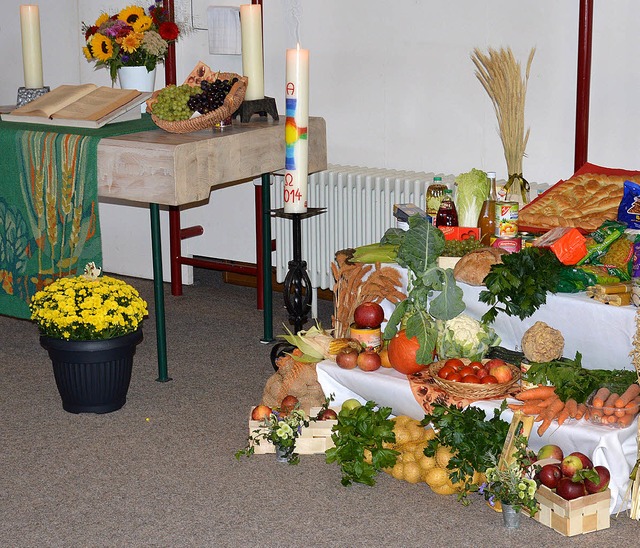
[[464, 337], [473, 188]]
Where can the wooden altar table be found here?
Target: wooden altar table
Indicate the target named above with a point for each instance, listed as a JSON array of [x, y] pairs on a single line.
[[166, 169]]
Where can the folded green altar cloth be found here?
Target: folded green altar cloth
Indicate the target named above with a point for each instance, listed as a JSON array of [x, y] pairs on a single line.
[[49, 223]]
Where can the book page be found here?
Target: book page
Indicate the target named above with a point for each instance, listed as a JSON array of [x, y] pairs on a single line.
[[97, 104], [56, 99]]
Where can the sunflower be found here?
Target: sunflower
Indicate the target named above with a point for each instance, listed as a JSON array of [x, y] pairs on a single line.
[[87, 53], [142, 23], [102, 19], [131, 42], [101, 47], [131, 14]]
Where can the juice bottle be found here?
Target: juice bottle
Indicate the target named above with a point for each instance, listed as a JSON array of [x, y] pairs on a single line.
[[435, 192], [487, 220], [447, 213]]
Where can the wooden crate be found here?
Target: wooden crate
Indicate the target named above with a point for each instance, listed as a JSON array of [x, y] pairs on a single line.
[[573, 517], [315, 438]]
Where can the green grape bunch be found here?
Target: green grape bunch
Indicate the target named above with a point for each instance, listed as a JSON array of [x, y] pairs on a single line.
[[172, 102], [458, 248]]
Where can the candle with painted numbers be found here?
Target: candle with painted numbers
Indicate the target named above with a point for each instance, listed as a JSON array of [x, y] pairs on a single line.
[[252, 61], [31, 46], [297, 122]]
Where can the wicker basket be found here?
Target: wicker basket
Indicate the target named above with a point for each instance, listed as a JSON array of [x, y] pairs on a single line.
[[473, 391], [232, 102]]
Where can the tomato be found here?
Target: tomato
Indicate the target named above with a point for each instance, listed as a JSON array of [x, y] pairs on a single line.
[[455, 363], [489, 379], [454, 377], [482, 373], [445, 370], [466, 370], [473, 379], [475, 365]]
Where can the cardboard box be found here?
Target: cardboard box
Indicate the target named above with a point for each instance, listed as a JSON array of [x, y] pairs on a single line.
[[573, 517], [460, 232], [316, 438]]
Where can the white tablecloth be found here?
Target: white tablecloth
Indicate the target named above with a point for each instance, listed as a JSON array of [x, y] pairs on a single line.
[[614, 448]]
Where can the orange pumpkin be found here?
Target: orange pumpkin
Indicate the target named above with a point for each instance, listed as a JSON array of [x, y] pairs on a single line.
[[402, 353]]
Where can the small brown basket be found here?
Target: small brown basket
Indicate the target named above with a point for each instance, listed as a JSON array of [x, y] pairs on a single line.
[[232, 102], [472, 391]]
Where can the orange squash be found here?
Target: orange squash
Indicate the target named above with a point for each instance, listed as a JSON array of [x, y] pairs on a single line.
[[402, 353]]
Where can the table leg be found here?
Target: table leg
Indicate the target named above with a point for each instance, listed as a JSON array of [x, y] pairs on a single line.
[[158, 293], [266, 259]]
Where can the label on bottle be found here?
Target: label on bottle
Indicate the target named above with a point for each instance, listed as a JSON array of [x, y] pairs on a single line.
[[506, 219]]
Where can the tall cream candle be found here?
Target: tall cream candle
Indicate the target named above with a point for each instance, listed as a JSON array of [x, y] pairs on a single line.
[[297, 122], [31, 46], [252, 61]]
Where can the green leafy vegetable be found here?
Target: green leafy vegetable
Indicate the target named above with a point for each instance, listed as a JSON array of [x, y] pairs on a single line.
[[477, 442], [363, 428], [473, 188], [519, 285], [418, 252], [574, 381]]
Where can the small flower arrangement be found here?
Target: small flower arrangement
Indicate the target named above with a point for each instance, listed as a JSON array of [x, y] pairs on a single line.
[[280, 428], [132, 37], [87, 307], [511, 483]]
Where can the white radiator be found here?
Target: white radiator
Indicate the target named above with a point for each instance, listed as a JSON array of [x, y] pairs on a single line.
[[359, 209]]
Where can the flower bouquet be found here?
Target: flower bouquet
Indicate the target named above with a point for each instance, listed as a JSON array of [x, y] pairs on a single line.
[[282, 428], [132, 37], [87, 307]]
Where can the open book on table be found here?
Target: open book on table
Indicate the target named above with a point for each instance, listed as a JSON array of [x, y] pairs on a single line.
[[85, 105]]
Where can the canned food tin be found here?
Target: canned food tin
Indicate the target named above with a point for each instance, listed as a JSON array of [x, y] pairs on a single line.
[[369, 337], [527, 238], [512, 245], [506, 219]]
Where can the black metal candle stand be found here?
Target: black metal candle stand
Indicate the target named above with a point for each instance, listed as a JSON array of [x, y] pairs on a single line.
[[297, 285], [264, 107]]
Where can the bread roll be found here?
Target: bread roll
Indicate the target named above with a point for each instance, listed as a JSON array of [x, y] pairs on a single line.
[[474, 266]]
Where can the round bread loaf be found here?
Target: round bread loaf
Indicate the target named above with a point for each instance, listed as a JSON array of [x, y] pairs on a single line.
[[474, 266]]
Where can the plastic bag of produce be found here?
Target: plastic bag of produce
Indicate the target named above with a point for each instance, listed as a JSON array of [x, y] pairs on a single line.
[[629, 209], [574, 279]]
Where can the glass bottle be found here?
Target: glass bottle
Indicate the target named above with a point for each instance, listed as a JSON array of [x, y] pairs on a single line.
[[487, 218], [447, 214], [435, 192]]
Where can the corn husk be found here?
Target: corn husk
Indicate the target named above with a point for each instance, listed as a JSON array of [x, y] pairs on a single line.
[[313, 343]]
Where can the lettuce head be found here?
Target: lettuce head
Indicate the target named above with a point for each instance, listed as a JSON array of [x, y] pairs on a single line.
[[473, 188]]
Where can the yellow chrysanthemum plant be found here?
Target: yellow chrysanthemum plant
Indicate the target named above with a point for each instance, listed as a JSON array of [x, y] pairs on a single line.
[[87, 307], [132, 37]]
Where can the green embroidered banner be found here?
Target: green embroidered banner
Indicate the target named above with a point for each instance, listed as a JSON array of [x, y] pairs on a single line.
[[49, 224]]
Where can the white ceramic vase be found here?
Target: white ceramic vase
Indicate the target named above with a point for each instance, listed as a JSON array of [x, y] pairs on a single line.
[[137, 78]]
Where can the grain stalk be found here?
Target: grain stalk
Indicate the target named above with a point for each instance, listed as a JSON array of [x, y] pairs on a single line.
[[500, 75]]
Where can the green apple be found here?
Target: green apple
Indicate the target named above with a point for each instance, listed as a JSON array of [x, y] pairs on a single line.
[[348, 405]]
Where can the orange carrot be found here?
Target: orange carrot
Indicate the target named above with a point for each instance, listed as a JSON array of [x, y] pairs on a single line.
[[563, 415], [530, 408], [632, 407], [600, 397], [543, 427], [554, 409], [630, 393], [610, 419], [547, 402], [515, 406], [537, 393], [626, 420], [571, 406], [608, 407], [582, 410]]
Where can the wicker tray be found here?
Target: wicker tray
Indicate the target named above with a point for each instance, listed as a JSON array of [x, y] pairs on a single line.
[[232, 102], [473, 391]]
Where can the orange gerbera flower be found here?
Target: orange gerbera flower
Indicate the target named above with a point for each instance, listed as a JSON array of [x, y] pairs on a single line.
[[131, 42]]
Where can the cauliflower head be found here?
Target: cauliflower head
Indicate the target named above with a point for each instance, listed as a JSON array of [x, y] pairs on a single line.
[[465, 337]]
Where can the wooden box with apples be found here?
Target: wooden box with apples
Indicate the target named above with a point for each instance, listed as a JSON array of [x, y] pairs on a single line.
[[315, 438], [573, 517]]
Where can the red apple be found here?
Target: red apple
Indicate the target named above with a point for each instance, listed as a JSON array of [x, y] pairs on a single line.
[[569, 489], [369, 360], [495, 362], [586, 461], [288, 404], [550, 452], [327, 415], [369, 315], [570, 465], [550, 475], [260, 412], [347, 359], [605, 477], [482, 373], [502, 373]]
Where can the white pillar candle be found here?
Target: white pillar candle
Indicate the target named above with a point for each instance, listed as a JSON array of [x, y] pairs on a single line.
[[31, 47], [252, 62], [297, 122]]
